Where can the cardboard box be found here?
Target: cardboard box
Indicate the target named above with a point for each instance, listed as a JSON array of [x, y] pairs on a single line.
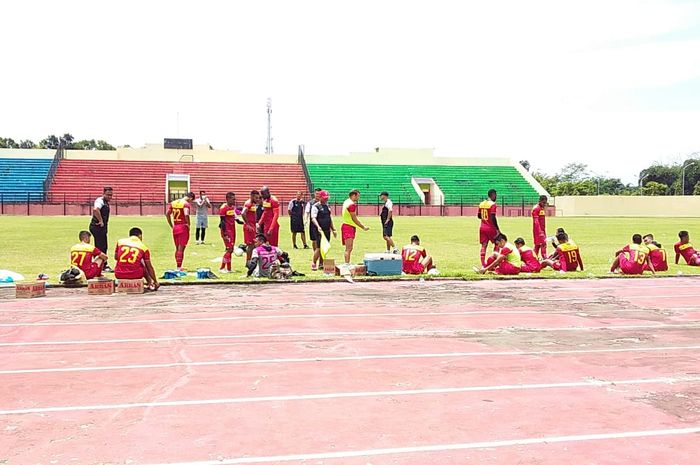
[[101, 287], [355, 270], [329, 266], [130, 286], [30, 290]]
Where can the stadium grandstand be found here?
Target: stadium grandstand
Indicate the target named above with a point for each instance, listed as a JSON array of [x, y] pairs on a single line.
[[154, 174], [417, 176]]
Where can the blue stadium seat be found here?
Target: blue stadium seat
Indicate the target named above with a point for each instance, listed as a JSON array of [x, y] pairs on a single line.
[[22, 176]]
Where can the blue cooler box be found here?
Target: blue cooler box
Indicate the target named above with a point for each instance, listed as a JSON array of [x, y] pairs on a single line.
[[383, 264]]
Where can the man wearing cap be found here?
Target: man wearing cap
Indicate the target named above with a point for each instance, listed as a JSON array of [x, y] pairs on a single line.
[[387, 217], [321, 224]]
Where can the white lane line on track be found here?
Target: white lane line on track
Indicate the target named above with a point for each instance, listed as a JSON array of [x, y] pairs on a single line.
[[397, 332], [347, 358], [349, 395], [446, 447], [313, 315]]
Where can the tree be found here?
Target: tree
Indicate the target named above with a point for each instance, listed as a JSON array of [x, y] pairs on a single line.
[[103, 145], [654, 188], [84, 145], [67, 141], [8, 143], [573, 172], [27, 144], [525, 164], [51, 142]]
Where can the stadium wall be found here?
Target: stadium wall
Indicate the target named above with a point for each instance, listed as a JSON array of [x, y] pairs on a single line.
[[393, 156], [156, 152], [635, 206]]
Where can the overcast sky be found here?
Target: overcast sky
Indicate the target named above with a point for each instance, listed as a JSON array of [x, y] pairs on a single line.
[[615, 84]]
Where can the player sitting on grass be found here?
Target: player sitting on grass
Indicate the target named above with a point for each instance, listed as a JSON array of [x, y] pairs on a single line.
[[506, 261], [266, 259], [567, 256], [134, 260], [530, 262], [632, 258], [685, 249], [657, 254], [415, 260], [87, 257]]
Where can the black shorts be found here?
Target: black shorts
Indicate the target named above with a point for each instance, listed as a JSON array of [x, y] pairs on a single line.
[[315, 235], [388, 228], [297, 224]]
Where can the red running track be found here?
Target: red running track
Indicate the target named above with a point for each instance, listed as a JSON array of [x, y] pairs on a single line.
[[573, 372]]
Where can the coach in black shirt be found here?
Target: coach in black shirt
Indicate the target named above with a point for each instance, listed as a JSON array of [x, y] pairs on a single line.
[[100, 220]]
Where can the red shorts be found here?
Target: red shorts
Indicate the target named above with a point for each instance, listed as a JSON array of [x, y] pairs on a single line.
[[507, 268], [663, 267], [181, 235], [136, 273], [628, 266], [272, 234], [347, 232], [694, 260], [418, 268], [557, 267], [249, 234], [93, 270], [229, 238], [539, 239], [531, 268], [487, 234]]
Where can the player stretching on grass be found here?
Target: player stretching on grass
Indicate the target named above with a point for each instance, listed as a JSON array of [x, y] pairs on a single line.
[[566, 257], [228, 217], [250, 219], [350, 223], [633, 258], [684, 249], [539, 231], [488, 230], [657, 254], [530, 262], [87, 257], [178, 216], [134, 260], [506, 261]]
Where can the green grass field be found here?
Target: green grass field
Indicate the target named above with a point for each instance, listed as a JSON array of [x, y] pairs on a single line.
[[34, 245]]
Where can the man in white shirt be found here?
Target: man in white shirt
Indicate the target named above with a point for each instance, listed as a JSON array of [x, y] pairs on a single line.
[[387, 217], [202, 206], [100, 220]]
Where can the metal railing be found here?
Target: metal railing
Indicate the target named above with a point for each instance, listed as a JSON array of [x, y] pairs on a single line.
[[58, 156]]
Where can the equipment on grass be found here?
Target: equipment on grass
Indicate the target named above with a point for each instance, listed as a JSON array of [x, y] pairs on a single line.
[[240, 250], [383, 264], [325, 246]]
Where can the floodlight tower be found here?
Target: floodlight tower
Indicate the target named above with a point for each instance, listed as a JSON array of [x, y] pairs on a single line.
[[268, 147]]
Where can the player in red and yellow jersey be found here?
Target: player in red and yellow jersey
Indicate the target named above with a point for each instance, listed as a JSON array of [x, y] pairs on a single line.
[[227, 224], [632, 258], [567, 257], [657, 254], [488, 229], [530, 262], [539, 231], [415, 260], [269, 220], [87, 257], [684, 249], [134, 260], [506, 261], [178, 216], [250, 219]]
